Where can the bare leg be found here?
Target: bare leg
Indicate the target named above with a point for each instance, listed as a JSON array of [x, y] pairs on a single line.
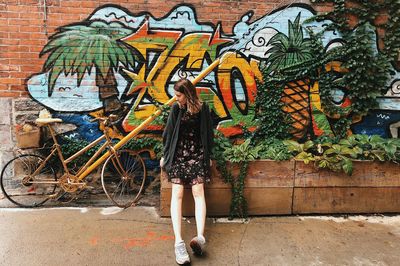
[[176, 211], [200, 208]]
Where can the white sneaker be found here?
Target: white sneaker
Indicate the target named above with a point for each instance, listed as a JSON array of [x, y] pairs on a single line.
[[198, 244], [181, 254]]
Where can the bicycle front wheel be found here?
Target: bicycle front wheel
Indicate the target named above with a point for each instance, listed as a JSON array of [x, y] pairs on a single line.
[[24, 189], [123, 177]]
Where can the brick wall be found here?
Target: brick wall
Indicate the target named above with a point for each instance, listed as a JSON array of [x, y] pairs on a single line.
[[25, 27]]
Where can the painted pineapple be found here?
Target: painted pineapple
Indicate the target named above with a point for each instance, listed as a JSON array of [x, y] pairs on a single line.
[[286, 51]]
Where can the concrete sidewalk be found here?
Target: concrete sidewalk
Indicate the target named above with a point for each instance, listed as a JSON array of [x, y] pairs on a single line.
[[138, 236]]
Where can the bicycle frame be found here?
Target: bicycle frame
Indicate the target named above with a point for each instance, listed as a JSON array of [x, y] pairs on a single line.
[[57, 149]]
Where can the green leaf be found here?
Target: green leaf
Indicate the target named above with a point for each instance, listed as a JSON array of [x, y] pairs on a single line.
[[323, 164], [379, 154], [347, 166], [330, 151], [308, 144]]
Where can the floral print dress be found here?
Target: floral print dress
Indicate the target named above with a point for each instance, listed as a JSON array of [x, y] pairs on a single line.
[[188, 167]]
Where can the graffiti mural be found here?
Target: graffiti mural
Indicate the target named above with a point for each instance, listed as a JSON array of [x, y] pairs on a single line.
[[119, 61], [386, 120]]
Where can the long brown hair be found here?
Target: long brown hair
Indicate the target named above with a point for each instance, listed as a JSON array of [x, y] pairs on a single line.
[[193, 103]]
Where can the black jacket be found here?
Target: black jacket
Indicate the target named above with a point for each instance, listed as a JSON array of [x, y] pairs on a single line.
[[171, 133]]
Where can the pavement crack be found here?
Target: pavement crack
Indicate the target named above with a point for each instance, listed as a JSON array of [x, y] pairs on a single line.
[[240, 243]]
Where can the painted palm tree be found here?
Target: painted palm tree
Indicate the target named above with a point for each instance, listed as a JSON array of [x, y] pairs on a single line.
[[78, 48], [286, 51]]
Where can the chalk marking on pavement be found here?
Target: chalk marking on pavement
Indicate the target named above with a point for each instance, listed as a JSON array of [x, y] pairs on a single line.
[[133, 242], [94, 241]]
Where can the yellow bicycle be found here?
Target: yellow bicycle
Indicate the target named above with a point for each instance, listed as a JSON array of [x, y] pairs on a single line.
[[29, 180]]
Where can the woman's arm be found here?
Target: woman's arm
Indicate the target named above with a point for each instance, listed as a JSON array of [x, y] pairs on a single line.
[[168, 130], [210, 129]]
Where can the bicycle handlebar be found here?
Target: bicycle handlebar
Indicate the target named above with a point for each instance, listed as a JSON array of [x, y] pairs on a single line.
[[108, 121]]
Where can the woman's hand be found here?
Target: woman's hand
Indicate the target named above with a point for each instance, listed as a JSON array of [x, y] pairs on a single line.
[[162, 162]]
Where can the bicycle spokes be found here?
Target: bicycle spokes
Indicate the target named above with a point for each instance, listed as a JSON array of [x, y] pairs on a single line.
[[27, 181], [123, 177]]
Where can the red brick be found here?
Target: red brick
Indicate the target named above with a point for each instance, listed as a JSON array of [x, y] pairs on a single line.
[[381, 19], [5, 28], [51, 3], [37, 35], [4, 75], [32, 61], [4, 61], [322, 8], [4, 35], [9, 55], [68, 4], [11, 81], [30, 69], [26, 22], [34, 42], [32, 2], [19, 35], [35, 49], [9, 15], [33, 16], [352, 20], [17, 88], [31, 29], [7, 42], [88, 4], [8, 68], [10, 2], [23, 9], [13, 94], [19, 74], [17, 48]]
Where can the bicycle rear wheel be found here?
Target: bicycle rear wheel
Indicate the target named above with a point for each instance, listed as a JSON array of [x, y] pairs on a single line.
[[21, 187], [123, 177]]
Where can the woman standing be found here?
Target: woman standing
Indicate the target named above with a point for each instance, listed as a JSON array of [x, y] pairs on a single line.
[[188, 139]]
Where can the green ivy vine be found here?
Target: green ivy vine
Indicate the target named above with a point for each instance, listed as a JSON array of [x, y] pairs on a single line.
[[224, 152], [273, 122], [367, 69]]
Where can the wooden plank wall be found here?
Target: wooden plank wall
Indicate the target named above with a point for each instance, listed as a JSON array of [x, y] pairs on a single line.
[[292, 187], [268, 190], [374, 187]]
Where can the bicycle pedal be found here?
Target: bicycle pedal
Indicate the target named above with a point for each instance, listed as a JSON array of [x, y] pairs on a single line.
[[53, 196]]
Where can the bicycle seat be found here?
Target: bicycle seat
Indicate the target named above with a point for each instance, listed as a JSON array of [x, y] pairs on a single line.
[[44, 121]]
